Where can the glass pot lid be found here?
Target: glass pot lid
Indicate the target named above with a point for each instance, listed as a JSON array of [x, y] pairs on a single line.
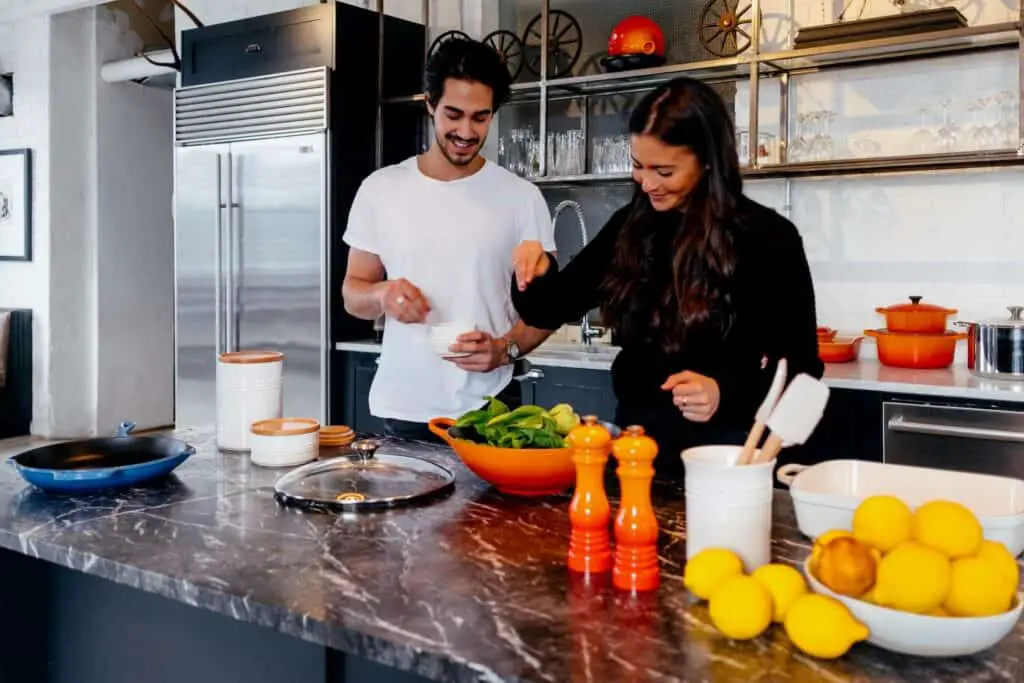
[[370, 478]]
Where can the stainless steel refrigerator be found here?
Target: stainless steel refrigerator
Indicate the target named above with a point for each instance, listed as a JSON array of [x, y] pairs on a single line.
[[251, 235]]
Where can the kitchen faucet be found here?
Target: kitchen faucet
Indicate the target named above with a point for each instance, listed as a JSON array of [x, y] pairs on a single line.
[[587, 331]]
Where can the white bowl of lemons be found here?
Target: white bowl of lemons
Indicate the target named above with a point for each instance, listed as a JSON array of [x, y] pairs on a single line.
[[924, 582], [924, 635]]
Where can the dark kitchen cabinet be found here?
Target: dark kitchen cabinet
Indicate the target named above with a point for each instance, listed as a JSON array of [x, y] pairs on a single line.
[[336, 35], [589, 392], [850, 429], [350, 391]]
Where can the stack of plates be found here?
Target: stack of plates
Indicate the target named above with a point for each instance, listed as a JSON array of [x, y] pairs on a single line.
[[336, 436]]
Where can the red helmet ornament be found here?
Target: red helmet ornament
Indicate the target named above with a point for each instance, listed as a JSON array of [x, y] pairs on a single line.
[[636, 36]]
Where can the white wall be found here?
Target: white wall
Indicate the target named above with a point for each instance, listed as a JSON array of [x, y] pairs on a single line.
[[25, 50], [71, 385], [101, 279], [135, 243]]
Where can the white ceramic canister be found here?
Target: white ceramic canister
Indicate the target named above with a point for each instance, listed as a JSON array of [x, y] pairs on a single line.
[[728, 505], [249, 389], [284, 442]]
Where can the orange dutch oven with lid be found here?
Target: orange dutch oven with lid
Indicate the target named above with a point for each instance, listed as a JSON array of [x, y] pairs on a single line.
[[916, 317]]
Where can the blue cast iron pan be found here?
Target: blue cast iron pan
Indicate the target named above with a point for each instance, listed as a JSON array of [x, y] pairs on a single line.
[[103, 463]]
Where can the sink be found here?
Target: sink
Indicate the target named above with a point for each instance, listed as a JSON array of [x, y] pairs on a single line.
[[597, 353]]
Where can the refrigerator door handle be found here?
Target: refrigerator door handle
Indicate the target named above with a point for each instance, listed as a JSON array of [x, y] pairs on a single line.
[[230, 333], [237, 253], [218, 259]]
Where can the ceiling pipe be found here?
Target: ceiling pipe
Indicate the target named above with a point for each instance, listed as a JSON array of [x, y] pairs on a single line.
[[138, 68]]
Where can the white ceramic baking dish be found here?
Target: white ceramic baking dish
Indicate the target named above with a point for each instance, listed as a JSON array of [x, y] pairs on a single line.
[[825, 495]]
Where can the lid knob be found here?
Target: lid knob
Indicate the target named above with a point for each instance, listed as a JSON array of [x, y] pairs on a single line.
[[916, 299], [365, 450], [1015, 312]]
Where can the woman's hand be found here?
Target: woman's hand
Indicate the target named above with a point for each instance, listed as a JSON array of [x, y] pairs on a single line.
[[530, 261], [695, 395]]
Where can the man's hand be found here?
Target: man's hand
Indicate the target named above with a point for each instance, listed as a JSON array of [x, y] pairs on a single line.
[[403, 301], [529, 261], [695, 395], [485, 352]]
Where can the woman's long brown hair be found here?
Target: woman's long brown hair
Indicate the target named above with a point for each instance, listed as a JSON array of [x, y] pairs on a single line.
[[683, 112]]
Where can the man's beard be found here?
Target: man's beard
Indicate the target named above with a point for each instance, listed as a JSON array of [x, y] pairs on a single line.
[[458, 161]]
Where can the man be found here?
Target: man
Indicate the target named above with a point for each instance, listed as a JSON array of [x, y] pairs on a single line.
[[431, 239]]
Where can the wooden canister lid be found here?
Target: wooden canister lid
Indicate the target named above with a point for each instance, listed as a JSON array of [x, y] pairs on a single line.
[[285, 426], [255, 356]]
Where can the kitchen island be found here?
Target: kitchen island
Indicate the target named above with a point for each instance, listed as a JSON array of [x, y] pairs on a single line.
[[205, 577]]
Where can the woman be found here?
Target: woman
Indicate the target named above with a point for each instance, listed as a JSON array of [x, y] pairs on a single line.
[[703, 288]]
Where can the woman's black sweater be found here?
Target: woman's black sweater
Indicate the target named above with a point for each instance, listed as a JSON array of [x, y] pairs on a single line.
[[774, 317]]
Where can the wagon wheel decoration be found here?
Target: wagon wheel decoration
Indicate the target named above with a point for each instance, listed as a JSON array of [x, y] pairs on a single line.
[[725, 27], [606, 103], [509, 48], [565, 43], [454, 34]]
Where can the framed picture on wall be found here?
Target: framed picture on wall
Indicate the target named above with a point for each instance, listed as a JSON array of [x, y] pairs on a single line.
[[15, 205]]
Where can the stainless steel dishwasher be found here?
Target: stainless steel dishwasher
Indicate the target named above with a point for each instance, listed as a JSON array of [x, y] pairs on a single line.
[[983, 440]]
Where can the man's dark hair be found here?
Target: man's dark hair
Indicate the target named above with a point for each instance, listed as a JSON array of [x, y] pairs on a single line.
[[466, 60]]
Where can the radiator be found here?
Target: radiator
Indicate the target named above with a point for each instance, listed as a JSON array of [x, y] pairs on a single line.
[[16, 395]]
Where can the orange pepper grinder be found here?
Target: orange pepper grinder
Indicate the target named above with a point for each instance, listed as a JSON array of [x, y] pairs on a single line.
[[589, 543], [635, 566]]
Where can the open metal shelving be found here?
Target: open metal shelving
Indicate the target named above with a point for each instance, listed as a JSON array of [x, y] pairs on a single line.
[[755, 66]]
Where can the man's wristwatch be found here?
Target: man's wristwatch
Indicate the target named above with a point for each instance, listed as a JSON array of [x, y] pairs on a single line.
[[511, 350]]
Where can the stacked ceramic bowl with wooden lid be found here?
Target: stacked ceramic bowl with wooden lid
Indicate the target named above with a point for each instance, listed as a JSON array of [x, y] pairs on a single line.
[[336, 436], [915, 336]]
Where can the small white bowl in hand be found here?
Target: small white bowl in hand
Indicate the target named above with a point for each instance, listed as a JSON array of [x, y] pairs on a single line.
[[923, 635], [443, 335]]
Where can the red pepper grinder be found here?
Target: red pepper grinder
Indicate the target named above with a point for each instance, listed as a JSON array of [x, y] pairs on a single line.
[[589, 512], [635, 567]]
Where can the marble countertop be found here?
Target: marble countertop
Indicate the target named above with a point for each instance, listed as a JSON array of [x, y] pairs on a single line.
[[867, 374], [473, 587]]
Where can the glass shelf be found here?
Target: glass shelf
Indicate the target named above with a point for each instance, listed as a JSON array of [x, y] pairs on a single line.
[[901, 164], [896, 48]]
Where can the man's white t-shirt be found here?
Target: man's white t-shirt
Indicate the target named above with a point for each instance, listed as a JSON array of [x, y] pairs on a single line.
[[454, 240]]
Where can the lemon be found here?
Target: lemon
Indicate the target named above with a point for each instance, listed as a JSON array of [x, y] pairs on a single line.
[[979, 589], [848, 566], [939, 612], [882, 521], [948, 527], [869, 596], [784, 583], [997, 554], [913, 578], [821, 541], [822, 626], [708, 569], [741, 608]]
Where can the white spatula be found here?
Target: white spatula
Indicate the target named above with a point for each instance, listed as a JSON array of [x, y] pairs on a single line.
[[763, 413], [796, 415]]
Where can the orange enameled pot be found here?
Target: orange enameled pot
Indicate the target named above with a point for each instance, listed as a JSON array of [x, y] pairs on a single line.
[[825, 334], [917, 351], [515, 471], [916, 317], [839, 349]]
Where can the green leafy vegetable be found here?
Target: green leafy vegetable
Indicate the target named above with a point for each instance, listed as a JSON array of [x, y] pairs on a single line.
[[528, 426]]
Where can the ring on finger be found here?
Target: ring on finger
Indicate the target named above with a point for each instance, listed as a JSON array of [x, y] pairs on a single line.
[[400, 301]]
